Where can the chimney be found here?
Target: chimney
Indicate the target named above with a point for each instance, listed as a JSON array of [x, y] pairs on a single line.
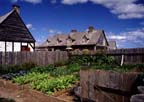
[[73, 30], [17, 8], [91, 29]]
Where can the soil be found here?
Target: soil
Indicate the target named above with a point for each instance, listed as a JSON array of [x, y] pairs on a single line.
[[19, 93]]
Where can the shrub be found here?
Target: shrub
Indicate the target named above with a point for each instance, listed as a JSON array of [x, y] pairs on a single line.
[[90, 60], [85, 51]]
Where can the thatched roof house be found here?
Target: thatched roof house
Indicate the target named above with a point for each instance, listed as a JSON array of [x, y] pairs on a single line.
[[92, 40], [14, 35]]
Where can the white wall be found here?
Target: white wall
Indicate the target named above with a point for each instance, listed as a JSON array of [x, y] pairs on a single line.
[[2, 46], [31, 49], [17, 46], [9, 46]]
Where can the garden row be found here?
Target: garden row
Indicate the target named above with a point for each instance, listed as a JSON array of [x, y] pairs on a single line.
[[49, 79]]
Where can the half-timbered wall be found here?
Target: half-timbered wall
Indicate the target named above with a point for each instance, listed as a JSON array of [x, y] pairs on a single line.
[[14, 46]]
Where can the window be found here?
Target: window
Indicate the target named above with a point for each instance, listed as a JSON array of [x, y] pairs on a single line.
[[85, 40], [69, 41], [25, 48], [59, 41]]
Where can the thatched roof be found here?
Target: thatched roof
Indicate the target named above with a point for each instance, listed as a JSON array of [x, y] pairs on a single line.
[[77, 38], [12, 28]]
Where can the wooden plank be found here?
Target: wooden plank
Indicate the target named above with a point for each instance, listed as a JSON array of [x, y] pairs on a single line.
[[84, 83], [91, 79]]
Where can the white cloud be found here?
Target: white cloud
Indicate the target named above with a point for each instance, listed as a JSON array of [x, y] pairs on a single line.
[[40, 40], [71, 2], [33, 1], [29, 26], [30, 1], [54, 31], [51, 31], [125, 9], [117, 37], [135, 37]]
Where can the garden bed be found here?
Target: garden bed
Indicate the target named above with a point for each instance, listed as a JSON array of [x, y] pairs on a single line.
[[52, 81], [21, 93]]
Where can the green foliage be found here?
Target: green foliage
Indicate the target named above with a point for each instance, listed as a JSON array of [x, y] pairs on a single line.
[[124, 68], [28, 66], [31, 77], [54, 84], [4, 69], [73, 67], [46, 69], [60, 63], [50, 79], [90, 60], [85, 51]]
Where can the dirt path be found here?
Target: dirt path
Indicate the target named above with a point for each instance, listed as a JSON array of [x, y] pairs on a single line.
[[25, 94], [18, 95]]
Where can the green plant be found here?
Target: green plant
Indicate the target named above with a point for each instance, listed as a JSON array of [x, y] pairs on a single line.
[[50, 79], [31, 77], [85, 51], [54, 84], [4, 69]]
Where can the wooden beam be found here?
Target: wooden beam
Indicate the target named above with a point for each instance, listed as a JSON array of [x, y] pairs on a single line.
[[34, 46], [110, 90], [31, 45], [5, 47], [21, 46], [12, 46]]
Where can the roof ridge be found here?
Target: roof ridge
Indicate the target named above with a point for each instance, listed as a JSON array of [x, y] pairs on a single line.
[[5, 16]]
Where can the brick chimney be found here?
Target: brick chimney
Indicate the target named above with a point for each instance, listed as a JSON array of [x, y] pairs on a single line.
[[17, 8], [73, 30], [91, 29]]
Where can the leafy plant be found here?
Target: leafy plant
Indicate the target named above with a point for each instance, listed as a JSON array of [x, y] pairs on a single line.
[[30, 77], [54, 84]]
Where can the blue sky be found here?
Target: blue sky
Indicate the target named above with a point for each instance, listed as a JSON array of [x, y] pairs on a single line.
[[122, 20]]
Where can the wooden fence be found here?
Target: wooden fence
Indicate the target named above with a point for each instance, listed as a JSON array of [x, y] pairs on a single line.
[[130, 56], [41, 58], [107, 86]]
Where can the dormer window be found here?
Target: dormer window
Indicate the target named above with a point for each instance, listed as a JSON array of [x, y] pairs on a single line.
[[85, 40], [104, 42], [59, 41], [48, 40], [70, 40]]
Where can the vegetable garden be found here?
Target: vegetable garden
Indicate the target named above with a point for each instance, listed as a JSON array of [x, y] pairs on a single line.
[[53, 78]]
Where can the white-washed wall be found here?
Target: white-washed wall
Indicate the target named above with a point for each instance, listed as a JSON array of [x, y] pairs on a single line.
[[2, 46], [17, 46]]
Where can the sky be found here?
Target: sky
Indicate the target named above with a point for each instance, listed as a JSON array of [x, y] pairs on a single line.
[[122, 20]]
